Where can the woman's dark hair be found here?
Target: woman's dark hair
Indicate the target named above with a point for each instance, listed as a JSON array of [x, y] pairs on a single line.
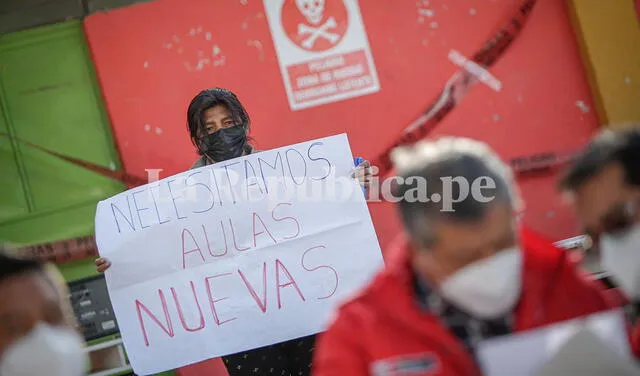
[[207, 99]]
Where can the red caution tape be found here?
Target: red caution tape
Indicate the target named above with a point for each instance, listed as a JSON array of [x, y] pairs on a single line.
[[61, 251], [540, 163], [455, 89], [120, 176], [76, 248]]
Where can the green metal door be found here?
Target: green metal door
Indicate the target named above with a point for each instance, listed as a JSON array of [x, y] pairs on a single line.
[[49, 97]]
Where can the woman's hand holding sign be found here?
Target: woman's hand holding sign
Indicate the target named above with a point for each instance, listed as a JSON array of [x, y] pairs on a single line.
[[363, 172], [102, 264]]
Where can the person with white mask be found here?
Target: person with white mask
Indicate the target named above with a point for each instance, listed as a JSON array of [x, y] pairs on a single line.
[[603, 183], [468, 272], [37, 333]]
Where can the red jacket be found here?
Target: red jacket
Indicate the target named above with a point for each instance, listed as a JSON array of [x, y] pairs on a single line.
[[384, 322]]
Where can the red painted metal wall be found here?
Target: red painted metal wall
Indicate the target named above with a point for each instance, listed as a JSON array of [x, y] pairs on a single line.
[[147, 58]]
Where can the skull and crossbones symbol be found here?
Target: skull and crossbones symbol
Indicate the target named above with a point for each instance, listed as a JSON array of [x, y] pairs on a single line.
[[313, 11]]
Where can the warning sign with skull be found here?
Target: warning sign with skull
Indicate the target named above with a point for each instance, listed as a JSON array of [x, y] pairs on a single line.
[[322, 49]]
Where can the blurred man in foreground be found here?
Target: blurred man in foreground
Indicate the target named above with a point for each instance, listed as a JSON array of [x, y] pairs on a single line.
[[604, 184], [468, 273], [37, 336]]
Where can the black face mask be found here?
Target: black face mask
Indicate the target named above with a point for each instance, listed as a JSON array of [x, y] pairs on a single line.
[[227, 143]]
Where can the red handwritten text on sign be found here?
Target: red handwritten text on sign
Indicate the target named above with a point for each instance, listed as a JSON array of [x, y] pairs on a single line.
[[270, 290]]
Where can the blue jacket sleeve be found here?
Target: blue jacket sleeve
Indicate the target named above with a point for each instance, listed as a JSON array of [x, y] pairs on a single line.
[[356, 162]]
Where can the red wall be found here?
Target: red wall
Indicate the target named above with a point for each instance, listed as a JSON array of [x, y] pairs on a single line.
[[147, 86]]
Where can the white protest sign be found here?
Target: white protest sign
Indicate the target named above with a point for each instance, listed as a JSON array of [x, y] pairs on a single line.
[[238, 255], [529, 352], [322, 49], [586, 354]]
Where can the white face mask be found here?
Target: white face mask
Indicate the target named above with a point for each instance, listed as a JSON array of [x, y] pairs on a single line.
[[488, 288], [45, 351], [621, 257]]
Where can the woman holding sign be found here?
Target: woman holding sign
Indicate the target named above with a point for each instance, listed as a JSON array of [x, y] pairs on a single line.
[[218, 126]]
